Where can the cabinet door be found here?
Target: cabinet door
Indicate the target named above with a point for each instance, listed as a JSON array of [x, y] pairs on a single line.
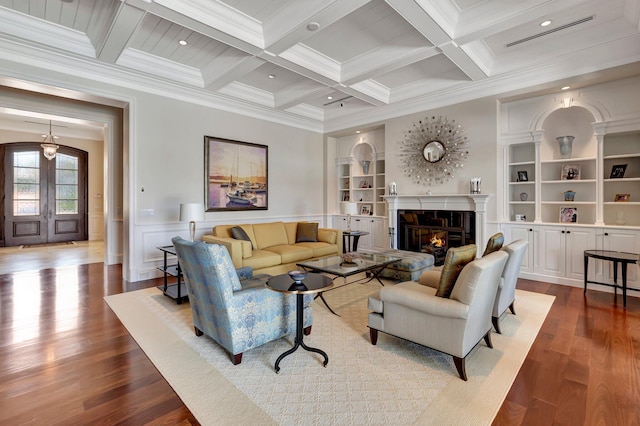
[[379, 234], [622, 240], [340, 222], [577, 241], [523, 233], [552, 251], [364, 225]]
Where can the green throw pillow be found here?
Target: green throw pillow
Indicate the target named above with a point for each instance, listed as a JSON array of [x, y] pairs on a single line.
[[455, 260], [307, 232], [240, 234], [494, 244]]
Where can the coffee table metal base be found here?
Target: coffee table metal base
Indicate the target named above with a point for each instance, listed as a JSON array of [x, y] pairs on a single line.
[[300, 336]]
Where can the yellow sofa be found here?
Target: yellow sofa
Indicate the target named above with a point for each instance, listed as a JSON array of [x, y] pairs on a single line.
[[272, 248]]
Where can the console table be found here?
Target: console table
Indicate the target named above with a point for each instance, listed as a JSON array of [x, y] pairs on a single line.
[[616, 257], [178, 290]]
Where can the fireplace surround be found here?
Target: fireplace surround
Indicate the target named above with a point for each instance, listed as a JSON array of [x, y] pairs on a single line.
[[472, 203]]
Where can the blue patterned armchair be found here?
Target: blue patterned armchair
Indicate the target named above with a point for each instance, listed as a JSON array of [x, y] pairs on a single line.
[[239, 314]]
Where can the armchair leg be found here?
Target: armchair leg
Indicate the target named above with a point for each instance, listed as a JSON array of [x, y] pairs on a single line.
[[373, 334], [198, 331], [236, 359], [487, 339], [512, 309], [307, 331], [496, 324], [459, 362]]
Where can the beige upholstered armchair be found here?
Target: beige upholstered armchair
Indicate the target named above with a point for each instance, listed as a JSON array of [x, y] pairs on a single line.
[[453, 325], [506, 296]]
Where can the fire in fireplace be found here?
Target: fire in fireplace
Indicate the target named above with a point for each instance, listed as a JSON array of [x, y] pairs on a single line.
[[434, 231]]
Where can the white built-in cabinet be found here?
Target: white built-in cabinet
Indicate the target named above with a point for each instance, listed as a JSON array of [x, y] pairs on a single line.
[[535, 182], [361, 179]]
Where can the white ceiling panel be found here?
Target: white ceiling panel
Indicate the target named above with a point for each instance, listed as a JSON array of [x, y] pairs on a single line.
[[384, 55]]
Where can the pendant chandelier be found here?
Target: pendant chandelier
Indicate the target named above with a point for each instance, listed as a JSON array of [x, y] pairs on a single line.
[[49, 148]]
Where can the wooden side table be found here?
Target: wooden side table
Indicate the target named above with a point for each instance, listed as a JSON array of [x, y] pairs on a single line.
[[616, 257], [312, 283]]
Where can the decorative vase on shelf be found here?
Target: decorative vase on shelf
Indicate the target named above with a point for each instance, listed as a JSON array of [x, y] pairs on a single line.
[[569, 195], [565, 143], [365, 167], [621, 220], [524, 196]]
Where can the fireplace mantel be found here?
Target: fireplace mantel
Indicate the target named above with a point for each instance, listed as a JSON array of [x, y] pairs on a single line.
[[462, 202]]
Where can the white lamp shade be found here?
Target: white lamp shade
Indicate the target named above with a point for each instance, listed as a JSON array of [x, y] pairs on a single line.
[[349, 208], [191, 212]]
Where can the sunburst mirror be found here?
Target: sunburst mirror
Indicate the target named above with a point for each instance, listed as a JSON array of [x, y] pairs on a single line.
[[433, 151]]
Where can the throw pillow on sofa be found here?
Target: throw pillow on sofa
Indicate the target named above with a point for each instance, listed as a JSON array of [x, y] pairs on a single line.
[[240, 234], [307, 233]]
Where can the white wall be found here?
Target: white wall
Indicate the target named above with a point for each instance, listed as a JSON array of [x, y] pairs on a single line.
[[164, 154], [479, 120]]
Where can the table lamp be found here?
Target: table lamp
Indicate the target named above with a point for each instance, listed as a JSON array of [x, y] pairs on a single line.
[[349, 208], [190, 212]]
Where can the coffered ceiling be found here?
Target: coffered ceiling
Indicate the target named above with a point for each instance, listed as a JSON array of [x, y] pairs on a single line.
[[323, 64]]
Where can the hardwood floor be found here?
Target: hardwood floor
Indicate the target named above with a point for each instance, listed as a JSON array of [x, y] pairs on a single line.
[[66, 359]]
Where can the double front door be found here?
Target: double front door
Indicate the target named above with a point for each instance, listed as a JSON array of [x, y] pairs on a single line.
[[45, 200]]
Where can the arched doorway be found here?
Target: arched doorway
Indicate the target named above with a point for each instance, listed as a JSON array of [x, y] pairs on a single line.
[[45, 201]]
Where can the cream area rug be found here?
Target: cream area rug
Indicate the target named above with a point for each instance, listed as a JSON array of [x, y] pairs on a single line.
[[395, 382]]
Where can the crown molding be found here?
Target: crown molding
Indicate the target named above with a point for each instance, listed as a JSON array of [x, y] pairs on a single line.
[[49, 62], [309, 58], [155, 65], [17, 25]]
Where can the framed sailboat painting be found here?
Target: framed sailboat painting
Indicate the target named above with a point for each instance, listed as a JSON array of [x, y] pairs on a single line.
[[235, 175]]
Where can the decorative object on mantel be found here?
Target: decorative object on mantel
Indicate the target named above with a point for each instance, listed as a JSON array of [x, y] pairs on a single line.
[[474, 185], [365, 167], [566, 145], [524, 196], [433, 151], [569, 195], [617, 171], [393, 189]]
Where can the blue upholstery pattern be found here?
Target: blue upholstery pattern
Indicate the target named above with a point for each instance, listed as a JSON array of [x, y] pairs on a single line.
[[237, 315]]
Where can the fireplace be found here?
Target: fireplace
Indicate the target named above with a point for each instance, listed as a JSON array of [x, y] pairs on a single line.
[[435, 231], [458, 219]]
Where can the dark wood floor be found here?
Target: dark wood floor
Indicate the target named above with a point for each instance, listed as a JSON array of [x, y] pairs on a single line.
[[66, 359]]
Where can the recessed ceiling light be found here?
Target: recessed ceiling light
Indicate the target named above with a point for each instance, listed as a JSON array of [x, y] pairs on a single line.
[[329, 97], [182, 42], [357, 131], [313, 26], [272, 76], [565, 88], [545, 23]]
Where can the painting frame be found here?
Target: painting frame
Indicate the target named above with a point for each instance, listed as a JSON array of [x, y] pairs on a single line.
[[617, 171], [622, 198], [230, 186], [523, 176], [568, 215], [365, 210], [570, 172]]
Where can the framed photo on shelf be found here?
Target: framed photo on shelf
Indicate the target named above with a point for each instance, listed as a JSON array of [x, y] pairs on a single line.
[[522, 176], [365, 210], [568, 214], [521, 218], [622, 197], [570, 172], [345, 196], [617, 171]]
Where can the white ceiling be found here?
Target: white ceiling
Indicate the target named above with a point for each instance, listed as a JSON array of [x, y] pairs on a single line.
[[376, 59]]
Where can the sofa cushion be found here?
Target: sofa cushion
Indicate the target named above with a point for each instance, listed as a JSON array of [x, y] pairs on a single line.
[[291, 253], [327, 236], [270, 234], [307, 232], [320, 248], [454, 261], [240, 234], [262, 259], [291, 229]]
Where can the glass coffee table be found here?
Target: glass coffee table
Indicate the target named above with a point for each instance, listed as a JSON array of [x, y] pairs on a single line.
[[371, 263]]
